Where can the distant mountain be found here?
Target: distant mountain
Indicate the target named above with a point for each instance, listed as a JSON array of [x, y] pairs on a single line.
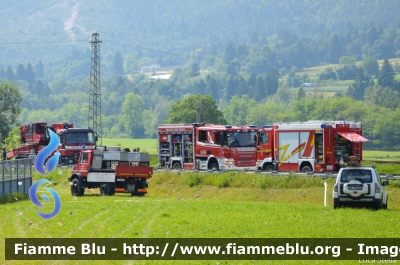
[[53, 30]]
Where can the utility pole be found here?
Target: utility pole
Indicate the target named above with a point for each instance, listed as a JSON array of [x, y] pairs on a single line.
[[94, 118]]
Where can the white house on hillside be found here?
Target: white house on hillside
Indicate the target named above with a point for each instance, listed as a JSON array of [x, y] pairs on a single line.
[[150, 67]]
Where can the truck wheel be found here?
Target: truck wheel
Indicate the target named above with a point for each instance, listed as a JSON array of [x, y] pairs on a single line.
[[105, 189], [268, 168], [306, 169], [214, 167], [76, 188], [176, 166]]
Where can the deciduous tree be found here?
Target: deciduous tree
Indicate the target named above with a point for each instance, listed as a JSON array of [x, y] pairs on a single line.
[[132, 110], [185, 110], [10, 100]]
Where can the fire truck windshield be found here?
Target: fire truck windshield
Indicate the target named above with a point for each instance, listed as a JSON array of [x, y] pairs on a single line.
[[80, 138], [241, 139]]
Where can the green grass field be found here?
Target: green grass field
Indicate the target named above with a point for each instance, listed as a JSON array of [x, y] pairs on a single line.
[[145, 145], [196, 205], [385, 155]]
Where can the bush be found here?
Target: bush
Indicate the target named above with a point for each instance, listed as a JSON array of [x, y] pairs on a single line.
[[194, 180], [13, 197]]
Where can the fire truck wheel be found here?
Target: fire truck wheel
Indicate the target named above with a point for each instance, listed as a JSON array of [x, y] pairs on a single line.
[[268, 168], [76, 188], [176, 166], [306, 169], [105, 189], [214, 167]]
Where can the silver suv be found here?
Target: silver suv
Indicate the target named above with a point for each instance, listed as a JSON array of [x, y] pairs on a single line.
[[360, 186]]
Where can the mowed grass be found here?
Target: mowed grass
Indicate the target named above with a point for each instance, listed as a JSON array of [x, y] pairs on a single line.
[[385, 155], [197, 205], [145, 145]]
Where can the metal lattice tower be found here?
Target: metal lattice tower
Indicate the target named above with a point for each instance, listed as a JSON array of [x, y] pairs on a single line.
[[94, 119]]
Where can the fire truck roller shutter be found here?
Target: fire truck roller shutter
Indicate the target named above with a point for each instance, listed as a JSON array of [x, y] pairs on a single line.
[[353, 137]]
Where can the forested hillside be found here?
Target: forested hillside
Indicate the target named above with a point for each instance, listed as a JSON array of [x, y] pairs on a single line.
[[252, 57]]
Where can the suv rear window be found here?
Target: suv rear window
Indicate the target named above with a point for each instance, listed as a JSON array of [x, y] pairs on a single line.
[[362, 175]]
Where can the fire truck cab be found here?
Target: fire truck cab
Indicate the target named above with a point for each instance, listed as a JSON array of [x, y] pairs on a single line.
[[312, 146], [201, 146]]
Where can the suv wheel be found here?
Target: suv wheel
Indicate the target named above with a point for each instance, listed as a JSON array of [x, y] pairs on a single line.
[[336, 203], [384, 206], [378, 204]]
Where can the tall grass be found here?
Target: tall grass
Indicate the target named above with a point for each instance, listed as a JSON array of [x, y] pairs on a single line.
[[237, 179]]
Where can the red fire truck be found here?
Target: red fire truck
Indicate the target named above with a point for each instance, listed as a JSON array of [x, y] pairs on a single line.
[[313, 146], [201, 146], [35, 136]]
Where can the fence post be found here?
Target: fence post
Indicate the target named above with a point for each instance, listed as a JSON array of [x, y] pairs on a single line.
[[3, 165], [17, 164], [10, 177]]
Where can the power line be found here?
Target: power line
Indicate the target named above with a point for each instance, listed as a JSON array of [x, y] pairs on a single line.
[[189, 56], [36, 42]]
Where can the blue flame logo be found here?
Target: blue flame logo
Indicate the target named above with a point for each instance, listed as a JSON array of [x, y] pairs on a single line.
[[45, 152], [35, 200], [50, 165]]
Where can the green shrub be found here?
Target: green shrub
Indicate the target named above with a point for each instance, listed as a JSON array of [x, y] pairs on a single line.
[[13, 197], [194, 180]]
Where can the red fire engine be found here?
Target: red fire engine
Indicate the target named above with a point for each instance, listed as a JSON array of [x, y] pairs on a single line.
[[35, 136], [201, 146], [313, 146]]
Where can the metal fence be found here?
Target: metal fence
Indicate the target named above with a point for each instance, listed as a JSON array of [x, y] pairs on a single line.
[[15, 176]]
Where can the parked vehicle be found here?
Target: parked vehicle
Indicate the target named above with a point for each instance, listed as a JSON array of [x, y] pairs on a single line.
[[312, 146], [360, 186], [112, 171], [201, 146], [35, 136]]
